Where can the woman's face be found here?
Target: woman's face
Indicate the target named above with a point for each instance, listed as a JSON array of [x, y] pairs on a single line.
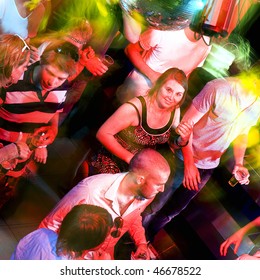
[[170, 94], [18, 71]]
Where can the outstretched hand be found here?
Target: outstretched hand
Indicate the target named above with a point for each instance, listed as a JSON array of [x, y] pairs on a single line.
[[235, 239]]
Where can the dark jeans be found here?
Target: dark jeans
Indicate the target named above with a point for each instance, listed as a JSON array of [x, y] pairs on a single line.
[[161, 198], [175, 204]]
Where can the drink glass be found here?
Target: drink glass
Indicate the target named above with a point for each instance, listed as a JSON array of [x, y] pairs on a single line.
[[107, 60]]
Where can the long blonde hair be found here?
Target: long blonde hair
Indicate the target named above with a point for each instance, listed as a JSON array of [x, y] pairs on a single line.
[[13, 53]]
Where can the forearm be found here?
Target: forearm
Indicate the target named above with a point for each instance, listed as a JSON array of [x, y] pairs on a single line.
[[187, 156], [239, 148], [54, 122], [138, 62], [241, 233], [111, 144], [253, 224], [187, 153], [137, 231]]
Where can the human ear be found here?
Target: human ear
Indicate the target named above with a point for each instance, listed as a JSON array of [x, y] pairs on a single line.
[[139, 179]]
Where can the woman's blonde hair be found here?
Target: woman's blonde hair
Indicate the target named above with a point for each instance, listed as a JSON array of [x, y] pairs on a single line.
[[13, 53]]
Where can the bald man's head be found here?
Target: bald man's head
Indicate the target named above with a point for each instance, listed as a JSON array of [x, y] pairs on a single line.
[[148, 161]]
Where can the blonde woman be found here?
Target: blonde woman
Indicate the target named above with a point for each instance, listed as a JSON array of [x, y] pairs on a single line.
[[14, 58]]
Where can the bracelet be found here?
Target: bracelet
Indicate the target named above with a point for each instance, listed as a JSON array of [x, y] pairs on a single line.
[[18, 149], [181, 146], [43, 146]]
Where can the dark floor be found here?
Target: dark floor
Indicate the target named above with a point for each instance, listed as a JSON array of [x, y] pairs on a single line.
[[195, 234]]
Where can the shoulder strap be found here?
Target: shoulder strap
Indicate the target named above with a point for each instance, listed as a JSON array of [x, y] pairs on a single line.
[[138, 113]]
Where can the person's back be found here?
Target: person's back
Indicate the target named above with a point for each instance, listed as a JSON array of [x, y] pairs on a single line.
[[42, 246]]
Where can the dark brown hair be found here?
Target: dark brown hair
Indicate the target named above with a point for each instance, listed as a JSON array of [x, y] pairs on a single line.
[[83, 228]]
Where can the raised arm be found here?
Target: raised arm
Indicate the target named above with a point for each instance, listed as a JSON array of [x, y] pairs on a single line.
[[135, 54]]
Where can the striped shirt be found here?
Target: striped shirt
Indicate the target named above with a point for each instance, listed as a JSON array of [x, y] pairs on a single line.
[[24, 108]]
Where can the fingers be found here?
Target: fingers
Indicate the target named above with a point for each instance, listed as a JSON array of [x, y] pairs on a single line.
[[184, 130], [244, 182], [190, 184], [241, 174], [39, 131], [184, 127], [40, 160], [192, 181], [223, 249], [40, 155]]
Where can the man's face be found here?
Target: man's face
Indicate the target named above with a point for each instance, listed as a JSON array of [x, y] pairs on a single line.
[[153, 184], [52, 77]]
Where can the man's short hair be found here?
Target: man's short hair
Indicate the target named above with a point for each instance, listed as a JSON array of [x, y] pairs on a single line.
[[147, 160]]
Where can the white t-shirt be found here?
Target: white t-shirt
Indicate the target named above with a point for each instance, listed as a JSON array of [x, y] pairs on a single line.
[[228, 113], [164, 49], [11, 22]]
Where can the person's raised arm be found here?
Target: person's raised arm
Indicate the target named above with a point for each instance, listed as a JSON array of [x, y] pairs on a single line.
[[132, 28], [134, 53]]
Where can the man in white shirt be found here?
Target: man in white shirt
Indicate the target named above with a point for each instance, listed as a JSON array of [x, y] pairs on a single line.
[[124, 195]]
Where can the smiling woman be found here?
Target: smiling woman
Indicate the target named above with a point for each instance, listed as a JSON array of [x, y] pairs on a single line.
[[143, 122]]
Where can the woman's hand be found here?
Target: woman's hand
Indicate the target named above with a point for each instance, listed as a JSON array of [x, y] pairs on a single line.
[[184, 129]]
